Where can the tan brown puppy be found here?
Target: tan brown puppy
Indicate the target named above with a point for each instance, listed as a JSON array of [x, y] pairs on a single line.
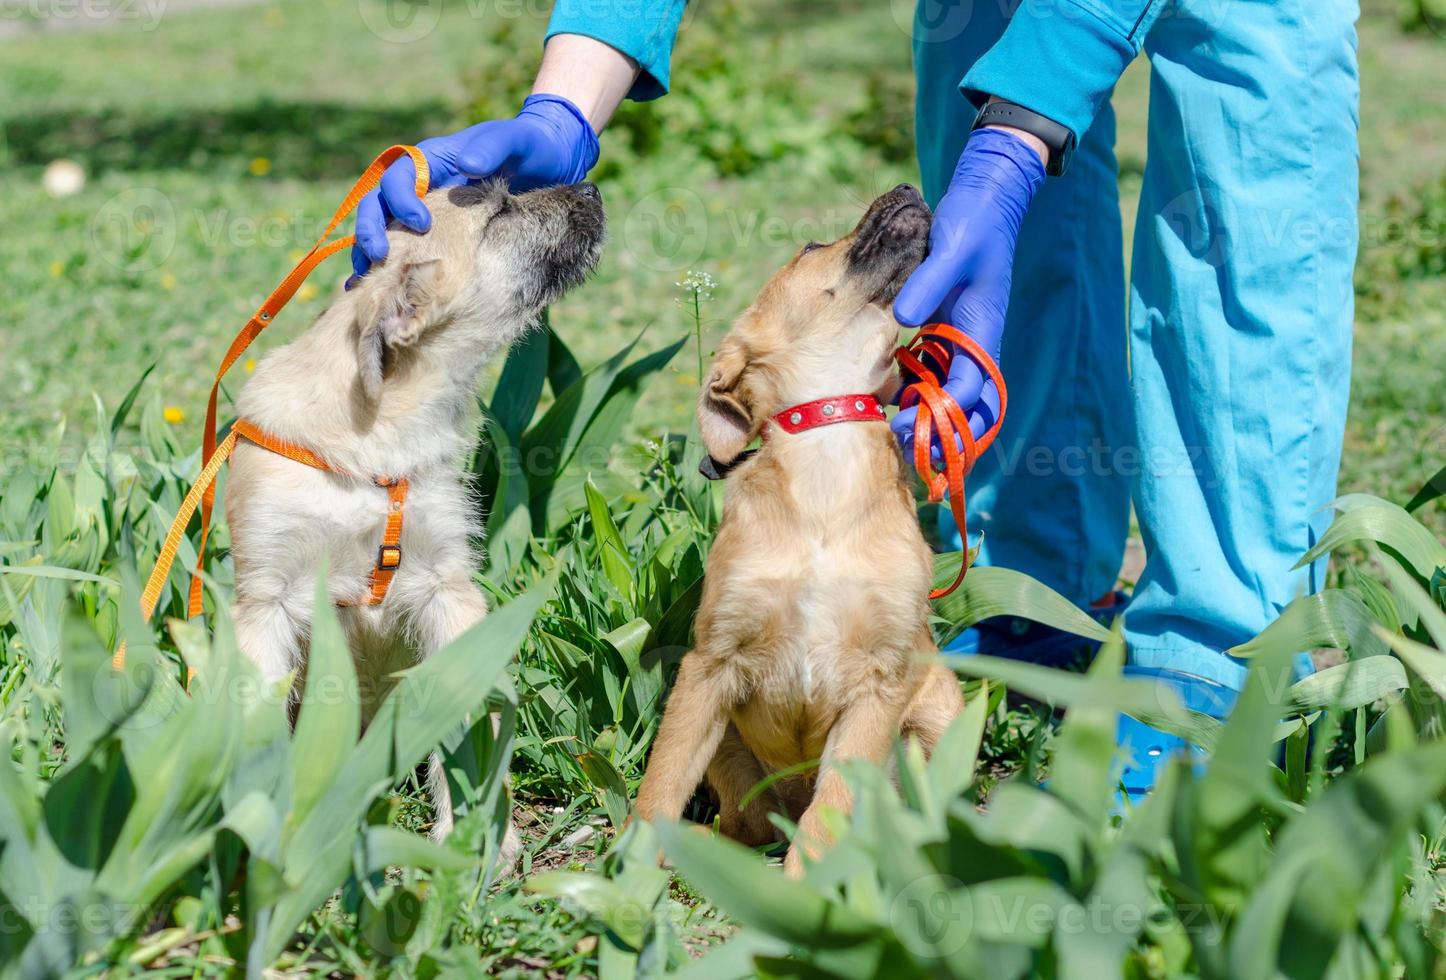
[[813, 639]]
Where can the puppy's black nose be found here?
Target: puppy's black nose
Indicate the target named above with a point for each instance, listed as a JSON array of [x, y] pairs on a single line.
[[908, 191], [589, 189]]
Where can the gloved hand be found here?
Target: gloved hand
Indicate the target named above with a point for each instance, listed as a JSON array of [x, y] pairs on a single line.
[[549, 142], [965, 278]]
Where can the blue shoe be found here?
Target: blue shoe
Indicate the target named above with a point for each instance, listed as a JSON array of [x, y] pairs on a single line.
[[1147, 749], [1023, 639]]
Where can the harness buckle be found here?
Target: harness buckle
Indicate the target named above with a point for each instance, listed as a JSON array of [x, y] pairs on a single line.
[[389, 557]]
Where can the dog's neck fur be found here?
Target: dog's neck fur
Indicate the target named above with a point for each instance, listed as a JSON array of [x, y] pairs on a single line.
[[826, 478], [310, 392]]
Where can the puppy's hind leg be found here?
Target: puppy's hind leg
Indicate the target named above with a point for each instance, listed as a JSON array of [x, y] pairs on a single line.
[[455, 606], [734, 772], [933, 708]]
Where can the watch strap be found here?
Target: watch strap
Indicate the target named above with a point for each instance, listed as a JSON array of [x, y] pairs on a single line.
[[1059, 139]]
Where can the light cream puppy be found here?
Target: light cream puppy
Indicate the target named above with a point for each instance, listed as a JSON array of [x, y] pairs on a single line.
[[383, 384], [812, 637]]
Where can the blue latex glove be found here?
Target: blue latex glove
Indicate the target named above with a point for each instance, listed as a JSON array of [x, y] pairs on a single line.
[[965, 278], [549, 142]]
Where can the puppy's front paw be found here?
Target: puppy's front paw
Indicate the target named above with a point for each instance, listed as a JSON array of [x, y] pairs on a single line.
[[793, 863]]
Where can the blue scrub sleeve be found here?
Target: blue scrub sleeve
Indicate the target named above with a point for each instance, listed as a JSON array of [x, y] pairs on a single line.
[[1062, 58], [644, 30]]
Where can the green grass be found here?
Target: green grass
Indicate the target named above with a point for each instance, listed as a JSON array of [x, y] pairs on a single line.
[[245, 126]]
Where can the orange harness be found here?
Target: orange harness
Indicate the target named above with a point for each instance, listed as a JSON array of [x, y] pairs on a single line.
[[389, 553], [927, 359], [202, 494]]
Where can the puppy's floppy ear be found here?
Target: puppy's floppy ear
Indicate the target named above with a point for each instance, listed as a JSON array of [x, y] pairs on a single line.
[[392, 315], [726, 417]]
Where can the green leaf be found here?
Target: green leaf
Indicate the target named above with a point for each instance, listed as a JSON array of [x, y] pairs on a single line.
[[676, 624], [1362, 517], [509, 520], [596, 444], [613, 907], [86, 806], [733, 877], [1085, 748], [611, 551], [385, 847], [1009, 910], [1219, 838], [1024, 816], [956, 754], [329, 722], [1151, 703], [1331, 851], [733, 960], [605, 777], [992, 591], [1331, 618], [128, 402], [51, 571], [1429, 664], [520, 387], [1433, 488], [427, 703], [1418, 601], [1352, 684], [552, 441], [563, 370]]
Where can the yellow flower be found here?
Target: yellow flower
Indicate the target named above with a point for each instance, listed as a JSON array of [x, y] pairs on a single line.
[[249, 365], [57, 269], [168, 281], [306, 292], [260, 167], [173, 414]]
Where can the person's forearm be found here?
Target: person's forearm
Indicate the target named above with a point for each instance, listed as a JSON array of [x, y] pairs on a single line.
[[1033, 142], [590, 74]]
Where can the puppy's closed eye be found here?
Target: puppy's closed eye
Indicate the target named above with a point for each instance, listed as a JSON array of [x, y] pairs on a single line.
[[810, 247]]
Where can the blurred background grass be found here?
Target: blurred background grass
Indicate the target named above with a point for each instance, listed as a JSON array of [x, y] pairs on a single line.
[[216, 142]]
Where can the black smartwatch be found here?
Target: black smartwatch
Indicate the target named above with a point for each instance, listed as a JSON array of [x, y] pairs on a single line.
[[1059, 139]]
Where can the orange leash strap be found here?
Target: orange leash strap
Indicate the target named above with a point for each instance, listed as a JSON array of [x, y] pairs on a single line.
[[926, 358], [151, 594], [202, 494]]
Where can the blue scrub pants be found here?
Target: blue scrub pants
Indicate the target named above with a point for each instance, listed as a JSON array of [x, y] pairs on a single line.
[[1219, 407]]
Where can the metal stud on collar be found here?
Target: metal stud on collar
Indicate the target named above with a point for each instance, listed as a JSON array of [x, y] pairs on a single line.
[[828, 410], [859, 405], [796, 418]]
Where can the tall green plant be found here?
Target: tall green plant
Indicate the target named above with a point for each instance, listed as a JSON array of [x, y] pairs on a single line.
[[213, 795], [1263, 854]]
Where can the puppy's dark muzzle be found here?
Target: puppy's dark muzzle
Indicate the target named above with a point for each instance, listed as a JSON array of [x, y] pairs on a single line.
[[891, 241]]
